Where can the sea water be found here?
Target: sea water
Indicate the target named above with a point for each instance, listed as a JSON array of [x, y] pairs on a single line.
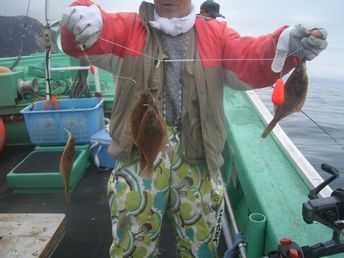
[[325, 105]]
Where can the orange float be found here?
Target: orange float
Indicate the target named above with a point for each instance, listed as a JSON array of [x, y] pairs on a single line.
[[278, 94], [2, 135], [4, 69]]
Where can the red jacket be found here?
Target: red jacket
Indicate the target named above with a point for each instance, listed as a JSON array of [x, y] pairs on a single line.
[[218, 45], [129, 47]]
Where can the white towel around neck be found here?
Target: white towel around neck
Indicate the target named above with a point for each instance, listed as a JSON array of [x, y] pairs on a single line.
[[174, 26]]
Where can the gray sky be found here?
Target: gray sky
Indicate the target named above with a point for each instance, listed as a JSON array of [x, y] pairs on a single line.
[[249, 17]]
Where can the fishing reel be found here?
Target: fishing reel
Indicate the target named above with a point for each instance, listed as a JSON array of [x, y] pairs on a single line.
[[328, 211]]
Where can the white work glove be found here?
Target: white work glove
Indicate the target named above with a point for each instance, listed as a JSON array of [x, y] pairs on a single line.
[[85, 22], [301, 40]]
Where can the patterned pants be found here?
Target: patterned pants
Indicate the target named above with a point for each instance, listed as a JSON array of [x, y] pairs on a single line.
[[192, 200]]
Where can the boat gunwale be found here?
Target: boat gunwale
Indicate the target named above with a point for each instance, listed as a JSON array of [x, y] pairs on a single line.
[[305, 170]]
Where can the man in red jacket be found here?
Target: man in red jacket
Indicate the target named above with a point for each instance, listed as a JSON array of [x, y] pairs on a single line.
[[147, 49]]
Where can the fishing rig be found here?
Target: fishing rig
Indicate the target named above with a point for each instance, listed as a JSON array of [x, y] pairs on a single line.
[[80, 86], [328, 211]]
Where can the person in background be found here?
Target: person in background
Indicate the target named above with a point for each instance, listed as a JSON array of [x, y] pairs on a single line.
[[140, 50], [210, 9]]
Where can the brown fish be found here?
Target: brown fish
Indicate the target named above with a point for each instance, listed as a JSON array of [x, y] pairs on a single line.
[[66, 162], [151, 138], [136, 116], [295, 92], [138, 112]]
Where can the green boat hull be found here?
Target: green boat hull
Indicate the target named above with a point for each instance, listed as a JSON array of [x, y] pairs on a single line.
[[262, 179]]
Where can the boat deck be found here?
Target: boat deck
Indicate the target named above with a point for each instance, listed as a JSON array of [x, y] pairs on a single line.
[[87, 231]]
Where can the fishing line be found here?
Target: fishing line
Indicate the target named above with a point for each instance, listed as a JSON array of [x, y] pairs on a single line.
[[323, 129], [127, 48], [187, 60], [115, 76], [22, 38], [224, 59], [86, 56]]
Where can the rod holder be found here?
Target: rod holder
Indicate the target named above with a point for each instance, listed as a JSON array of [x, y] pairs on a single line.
[[255, 235]]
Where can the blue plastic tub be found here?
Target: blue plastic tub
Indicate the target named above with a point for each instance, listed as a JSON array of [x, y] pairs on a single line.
[[83, 117]]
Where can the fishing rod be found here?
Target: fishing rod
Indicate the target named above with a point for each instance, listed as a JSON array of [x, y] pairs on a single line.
[[241, 244], [22, 38], [47, 40]]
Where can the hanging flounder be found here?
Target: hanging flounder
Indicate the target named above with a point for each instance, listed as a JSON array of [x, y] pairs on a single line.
[[295, 92], [136, 116], [66, 162], [138, 112], [151, 138]]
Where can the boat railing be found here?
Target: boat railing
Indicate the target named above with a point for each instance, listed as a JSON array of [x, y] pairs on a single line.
[[80, 68]]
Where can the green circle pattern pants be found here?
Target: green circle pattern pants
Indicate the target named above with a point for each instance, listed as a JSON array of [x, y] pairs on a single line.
[[189, 197]]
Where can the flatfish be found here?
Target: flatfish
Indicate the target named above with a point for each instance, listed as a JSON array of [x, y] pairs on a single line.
[[295, 92], [138, 112], [151, 138], [66, 162]]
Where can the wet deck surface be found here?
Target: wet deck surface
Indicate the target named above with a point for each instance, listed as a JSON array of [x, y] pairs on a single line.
[[88, 230]]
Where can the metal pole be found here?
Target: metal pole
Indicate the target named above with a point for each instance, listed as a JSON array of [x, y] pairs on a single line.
[[96, 80], [69, 68], [226, 231], [230, 211]]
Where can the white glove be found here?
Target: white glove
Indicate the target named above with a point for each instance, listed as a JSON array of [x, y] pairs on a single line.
[[302, 40], [85, 22]]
